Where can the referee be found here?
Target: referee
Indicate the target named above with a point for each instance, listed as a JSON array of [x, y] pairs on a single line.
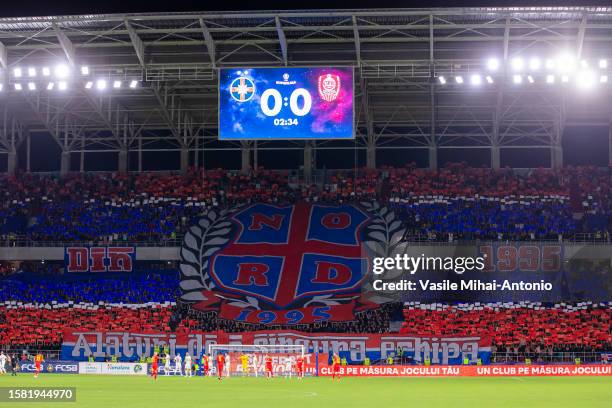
[[14, 361]]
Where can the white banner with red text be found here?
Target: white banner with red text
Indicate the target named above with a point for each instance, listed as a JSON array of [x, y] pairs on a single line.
[[129, 346]]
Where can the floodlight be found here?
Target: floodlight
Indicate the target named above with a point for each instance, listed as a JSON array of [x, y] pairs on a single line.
[[50, 86], [440, 78], [550, 79], [17, 72], [1, 86], [550, 64], [134, 83], [517, 79], [84, 70], [489, 79], [530, 79], [534, 64], [603, 79], [493, 64], [584, 64], [518, 64], [565, 78], [46, 71], [459, 79], [101, 84], [475, 79], [62, 85], [31, 86], [62, 71], [18, 87], [603, 64], [117, 84], [88, 85], [586, 79], [566, 63], [31, 72]]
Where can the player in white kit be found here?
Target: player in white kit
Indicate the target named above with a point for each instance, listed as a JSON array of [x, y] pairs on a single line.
[[2, 363], [228, 365], [254, 366], [178, 362], [167, 364], [289, 364], [188, 372]]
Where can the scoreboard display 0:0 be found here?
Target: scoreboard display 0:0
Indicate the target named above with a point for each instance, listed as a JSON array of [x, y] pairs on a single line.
[[286, 103]]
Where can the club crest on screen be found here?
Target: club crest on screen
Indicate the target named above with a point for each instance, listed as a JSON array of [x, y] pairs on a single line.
[[329, 87], [242, 89]]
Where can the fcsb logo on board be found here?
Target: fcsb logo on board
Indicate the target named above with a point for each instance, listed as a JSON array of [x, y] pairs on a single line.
[[100, 259], [242, 89]]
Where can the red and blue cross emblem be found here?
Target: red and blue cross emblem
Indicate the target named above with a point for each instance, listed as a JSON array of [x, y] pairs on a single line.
[[285, 255]]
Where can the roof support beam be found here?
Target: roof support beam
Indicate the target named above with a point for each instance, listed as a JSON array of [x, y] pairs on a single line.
[[506, 39], [431, 38], [165, 103], [3, 57], [210, 43], [66, 45], [282, 39], [357, 41], [497, 112], [580, 39], [136, 43]]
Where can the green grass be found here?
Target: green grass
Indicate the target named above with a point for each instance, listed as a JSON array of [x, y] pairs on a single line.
[[175, 392]]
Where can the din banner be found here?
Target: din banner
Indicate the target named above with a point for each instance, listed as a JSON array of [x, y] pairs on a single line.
[[99, 259]]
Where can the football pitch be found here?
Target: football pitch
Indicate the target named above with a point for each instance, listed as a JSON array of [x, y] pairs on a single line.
[[142, 392]]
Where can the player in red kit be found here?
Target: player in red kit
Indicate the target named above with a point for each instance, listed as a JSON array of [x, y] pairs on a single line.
[[205, 364], [220, 364], [299, 365], [268, 366], [38, 360], [154, 365], [336, 367]]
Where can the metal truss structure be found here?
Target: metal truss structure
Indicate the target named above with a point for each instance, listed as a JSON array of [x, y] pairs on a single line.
[[397, 55]]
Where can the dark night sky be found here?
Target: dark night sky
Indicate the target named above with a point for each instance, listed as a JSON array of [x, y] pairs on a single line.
[[58, 7]]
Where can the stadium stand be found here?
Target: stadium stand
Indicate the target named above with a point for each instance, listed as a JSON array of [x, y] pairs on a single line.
[[517, 325], [451, 204], [457, 202]]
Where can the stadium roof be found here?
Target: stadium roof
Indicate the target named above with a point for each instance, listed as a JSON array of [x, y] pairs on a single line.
[[399, 56]]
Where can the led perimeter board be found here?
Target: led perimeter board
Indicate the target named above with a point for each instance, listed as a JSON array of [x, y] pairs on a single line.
[[286, 103]]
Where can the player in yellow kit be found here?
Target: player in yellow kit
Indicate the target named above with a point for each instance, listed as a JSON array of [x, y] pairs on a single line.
[[244, 360]]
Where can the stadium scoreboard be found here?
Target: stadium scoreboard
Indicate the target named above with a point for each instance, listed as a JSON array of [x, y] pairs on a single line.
[[286, 103]]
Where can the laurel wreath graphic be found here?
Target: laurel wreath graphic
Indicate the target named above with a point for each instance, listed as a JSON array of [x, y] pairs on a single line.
[[201, 242], [384, 232], [383, 236], [214, 230]]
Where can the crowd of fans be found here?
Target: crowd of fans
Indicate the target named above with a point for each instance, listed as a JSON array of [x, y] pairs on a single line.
[[519, 331], [514, 331], [369, 321], [137, 287], [43, 327], [455, 202]]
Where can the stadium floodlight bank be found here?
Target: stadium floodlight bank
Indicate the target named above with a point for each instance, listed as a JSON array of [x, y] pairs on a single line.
[[284, 359]]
